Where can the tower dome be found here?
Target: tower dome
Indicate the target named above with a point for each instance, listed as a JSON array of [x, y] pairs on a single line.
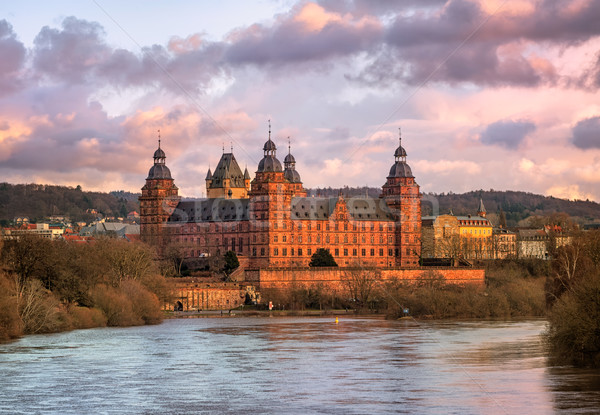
[[269, 162], [289, 163], [160, 169], [400, 168]]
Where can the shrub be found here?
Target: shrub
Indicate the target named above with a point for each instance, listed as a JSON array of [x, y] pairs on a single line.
[[574, 330]]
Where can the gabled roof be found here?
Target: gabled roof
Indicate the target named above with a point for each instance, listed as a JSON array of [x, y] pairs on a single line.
[[227, 168], [371, 209]]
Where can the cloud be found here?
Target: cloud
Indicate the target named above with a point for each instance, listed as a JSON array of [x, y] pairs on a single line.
[[13, 58], [463, 43], [308, 33], [586, 133], [508, 134]]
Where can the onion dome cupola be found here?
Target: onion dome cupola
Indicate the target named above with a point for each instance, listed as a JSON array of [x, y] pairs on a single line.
[[400, 167], [269, 162], [160, 169], [289, 172]]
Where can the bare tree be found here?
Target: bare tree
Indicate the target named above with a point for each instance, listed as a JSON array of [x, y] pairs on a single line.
[[360, 283]]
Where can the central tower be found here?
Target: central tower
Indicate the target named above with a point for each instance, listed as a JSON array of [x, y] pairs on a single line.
[[403, 197]]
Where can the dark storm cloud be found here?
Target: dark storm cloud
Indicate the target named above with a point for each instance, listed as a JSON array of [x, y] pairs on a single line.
[[509, 134], [12, 54], [586, 134]]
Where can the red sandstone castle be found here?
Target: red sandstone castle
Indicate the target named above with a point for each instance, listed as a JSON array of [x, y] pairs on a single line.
[[272, 223]]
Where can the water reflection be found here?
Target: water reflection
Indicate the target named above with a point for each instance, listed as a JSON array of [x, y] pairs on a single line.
[[293, 365]]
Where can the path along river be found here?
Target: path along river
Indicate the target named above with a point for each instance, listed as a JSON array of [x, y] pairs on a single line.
[[294, 365]]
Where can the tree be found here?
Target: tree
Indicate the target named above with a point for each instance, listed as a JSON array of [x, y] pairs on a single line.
[[322, 258], [231, 262], [502, 220], [360, 283]]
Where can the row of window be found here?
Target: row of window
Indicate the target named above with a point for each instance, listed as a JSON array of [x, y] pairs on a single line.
[[336, 252]]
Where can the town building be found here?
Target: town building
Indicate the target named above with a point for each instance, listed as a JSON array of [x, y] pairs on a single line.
[[450, 236], [271, 222]]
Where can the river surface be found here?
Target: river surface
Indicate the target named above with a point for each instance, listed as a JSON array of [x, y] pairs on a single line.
[[294, 365]]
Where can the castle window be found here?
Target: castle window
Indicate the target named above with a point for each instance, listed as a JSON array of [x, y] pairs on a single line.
[[354, 252], [390, 252], [309, 252], [336, 227], [318, 226], [309, 239], [380, 252], [372, 239], [363, 252], [363, 239], [300, 226], [354, 239], [337, 252], [345, 239], [292, 251], [284, 238], [275, 239], [326, 226], [299, 238], [337, 239], [345, 226], [299, 251], [254, 251], [318, 239], [262, 251], [380, 227], [345, 251], [327, 239], [372, 252], [380, 239], [275, 251], [284, 252]]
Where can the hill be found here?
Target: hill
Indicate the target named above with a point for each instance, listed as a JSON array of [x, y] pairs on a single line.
[[38, 201], [517, 206]]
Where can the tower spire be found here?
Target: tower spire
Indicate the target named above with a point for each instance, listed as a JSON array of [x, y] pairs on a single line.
[[289, 145], [400, 136], [159, 138], [269, 128]]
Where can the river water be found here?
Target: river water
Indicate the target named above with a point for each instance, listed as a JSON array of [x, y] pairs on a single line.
[[294, 365]]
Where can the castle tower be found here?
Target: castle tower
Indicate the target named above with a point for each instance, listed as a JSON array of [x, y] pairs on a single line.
[[291, 175], [270, 201], [402, 196], [227, 181], [158, 200]]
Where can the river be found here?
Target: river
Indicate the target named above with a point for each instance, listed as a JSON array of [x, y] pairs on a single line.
[[294, 365]]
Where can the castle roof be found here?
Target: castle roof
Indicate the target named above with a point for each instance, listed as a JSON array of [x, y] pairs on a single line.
[[303, 208], [227, 169], [211, 210]]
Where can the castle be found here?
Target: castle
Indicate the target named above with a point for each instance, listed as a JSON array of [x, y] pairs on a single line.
[[271, 223]]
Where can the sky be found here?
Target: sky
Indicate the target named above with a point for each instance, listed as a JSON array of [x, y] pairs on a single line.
[[488, 94]]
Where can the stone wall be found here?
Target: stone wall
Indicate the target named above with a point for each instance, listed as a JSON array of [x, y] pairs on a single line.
[[332, 278], [191, 295]]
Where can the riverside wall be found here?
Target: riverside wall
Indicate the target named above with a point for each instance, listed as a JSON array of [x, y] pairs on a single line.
[[333, 278], [190, 294]]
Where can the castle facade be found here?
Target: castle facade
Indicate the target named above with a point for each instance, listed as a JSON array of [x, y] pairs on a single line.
[[270, 222]]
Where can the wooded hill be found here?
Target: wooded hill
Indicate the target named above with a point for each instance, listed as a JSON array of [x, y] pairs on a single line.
[[517, 206], [38, 202]]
